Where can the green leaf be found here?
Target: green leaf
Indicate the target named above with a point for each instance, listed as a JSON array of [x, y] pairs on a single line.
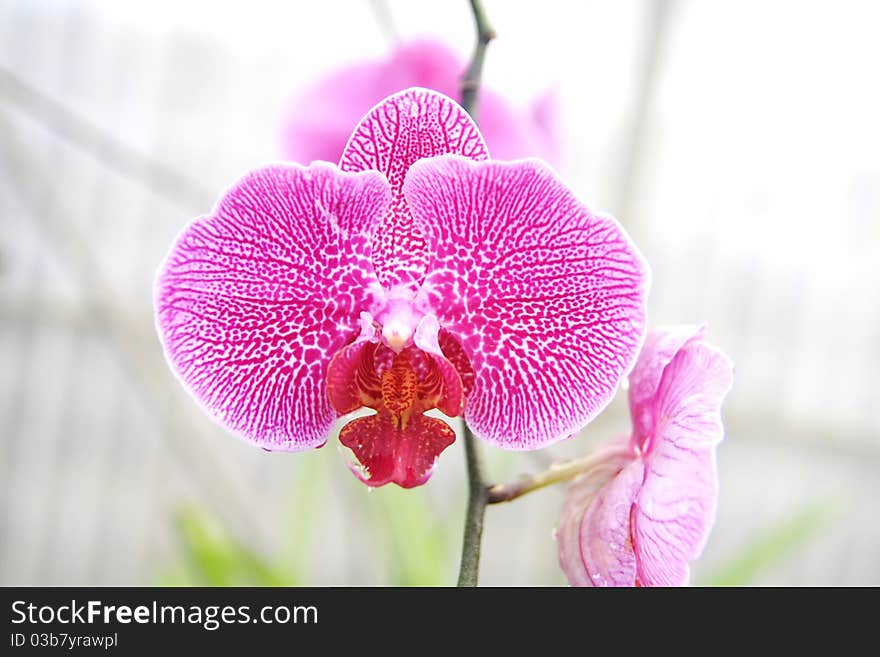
[[211, 557], [773, 546], [309, 488], [419, 539]]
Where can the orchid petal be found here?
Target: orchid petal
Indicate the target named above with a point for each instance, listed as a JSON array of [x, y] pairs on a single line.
[[547, 299], [605, 538], [676, 507], [318, 121], [580, 495], [660, 348], [410, 125], [254, 299], [545, 113]]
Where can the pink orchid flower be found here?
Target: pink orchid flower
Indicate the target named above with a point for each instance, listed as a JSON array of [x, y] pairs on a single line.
[[644, 512], [417, 275], [317, 125]]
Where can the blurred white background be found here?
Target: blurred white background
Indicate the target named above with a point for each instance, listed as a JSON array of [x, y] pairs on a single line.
[[737, 141]]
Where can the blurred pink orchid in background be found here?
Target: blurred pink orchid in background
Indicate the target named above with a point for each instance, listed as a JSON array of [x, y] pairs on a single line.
[[319, 122], [645, 511], [416, 275]]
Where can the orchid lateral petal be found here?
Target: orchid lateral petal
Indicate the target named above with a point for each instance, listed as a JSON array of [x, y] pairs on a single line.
[[253, 300], [675, 508], [546, 298], [410, 125]]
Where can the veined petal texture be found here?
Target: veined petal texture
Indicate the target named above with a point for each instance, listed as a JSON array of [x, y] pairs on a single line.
[[546, 298], [403, 128], [253, 300], [675, 508]]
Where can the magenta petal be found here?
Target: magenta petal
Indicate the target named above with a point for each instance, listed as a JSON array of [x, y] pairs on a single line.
[[253, 300], [676, 507], [673, 515], [403, 128], [547, 299], [545, 114], [688, 399], [605, 537], [423, 63]]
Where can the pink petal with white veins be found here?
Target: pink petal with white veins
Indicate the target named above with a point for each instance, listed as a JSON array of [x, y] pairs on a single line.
[[403, 128], [673, 515], [546, 298], [688, 399], [605, 537], [675, 508], [660, 348], [253, 300]]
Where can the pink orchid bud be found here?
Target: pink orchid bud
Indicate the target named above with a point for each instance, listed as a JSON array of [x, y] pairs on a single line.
[[644, 513]]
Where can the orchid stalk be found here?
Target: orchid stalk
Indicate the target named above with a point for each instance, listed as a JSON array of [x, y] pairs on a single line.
[[478, 496]]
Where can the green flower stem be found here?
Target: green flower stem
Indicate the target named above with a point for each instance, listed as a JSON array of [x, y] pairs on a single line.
[[470, 85], [554, 474], [478, 496]]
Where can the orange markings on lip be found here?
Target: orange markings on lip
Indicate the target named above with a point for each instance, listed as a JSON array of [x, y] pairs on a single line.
[[397, 443], [399, 385]]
